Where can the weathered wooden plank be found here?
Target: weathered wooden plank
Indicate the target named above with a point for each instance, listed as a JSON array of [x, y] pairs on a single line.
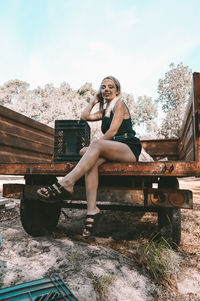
[[168, 168], [24, 139], [196, 112], [161, 148], [23, 143], [190, 154], [24, 120], [46, 152], [187, 145], [31, 134], [25, 157], [187, 118]]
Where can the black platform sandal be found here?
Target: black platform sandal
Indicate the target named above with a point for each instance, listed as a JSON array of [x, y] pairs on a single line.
[[90, 225], [53, 193]]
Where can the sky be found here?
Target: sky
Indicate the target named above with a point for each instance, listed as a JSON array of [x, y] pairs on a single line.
[[78, 41]]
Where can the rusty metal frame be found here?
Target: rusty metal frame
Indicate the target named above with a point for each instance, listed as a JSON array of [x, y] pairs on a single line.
[[147, 197], [167, 168]]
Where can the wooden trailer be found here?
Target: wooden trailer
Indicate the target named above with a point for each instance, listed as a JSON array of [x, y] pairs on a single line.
[[27, 147]]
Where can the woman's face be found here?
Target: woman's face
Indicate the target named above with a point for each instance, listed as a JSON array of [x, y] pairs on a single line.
[[109, 89]]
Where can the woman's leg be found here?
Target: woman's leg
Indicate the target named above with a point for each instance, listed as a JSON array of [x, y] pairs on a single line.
[[93, 212], [91, 184], [107, 149]]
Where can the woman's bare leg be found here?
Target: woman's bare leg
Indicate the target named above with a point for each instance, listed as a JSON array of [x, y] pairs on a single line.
[[91, 184], [107, 149]]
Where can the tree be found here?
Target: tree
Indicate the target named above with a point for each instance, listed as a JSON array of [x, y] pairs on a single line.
[[86, 89], [145, 109], [174, 91], [50, 103], [143, 112], [12, 90]]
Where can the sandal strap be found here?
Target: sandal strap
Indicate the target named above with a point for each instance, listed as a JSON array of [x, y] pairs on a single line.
[[88, 228], [60, 187], [90, 216], [52, 191], [89, 223], [87, 232], [94, 216]]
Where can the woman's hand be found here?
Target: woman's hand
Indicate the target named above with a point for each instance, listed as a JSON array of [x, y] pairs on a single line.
[[86, 114]]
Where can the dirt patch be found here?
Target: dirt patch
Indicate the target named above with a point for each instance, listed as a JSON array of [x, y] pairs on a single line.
[[102, 268]]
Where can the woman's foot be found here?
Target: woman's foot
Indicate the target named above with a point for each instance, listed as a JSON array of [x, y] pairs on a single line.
[[53, 193], [91, 222]]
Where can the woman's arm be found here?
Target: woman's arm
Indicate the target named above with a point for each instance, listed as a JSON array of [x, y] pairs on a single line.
[[86, 114], [118, 117]]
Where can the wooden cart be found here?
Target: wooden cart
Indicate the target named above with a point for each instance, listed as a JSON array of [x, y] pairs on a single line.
[[26, 148]]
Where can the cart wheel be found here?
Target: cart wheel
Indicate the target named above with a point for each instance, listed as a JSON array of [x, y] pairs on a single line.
[[39, 218], [169, 224], [169, 219]]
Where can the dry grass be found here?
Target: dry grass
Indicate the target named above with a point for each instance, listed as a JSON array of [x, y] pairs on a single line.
[[158, 258], [129, 234]]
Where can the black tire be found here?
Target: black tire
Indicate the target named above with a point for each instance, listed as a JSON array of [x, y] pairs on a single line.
[[169, 225], [39, 218], [169, 219]]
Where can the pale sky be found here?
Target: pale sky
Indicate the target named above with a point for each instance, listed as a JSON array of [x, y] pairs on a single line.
[[80, 41]]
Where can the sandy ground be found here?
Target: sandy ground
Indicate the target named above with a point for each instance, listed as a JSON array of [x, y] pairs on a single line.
[[105, 267]]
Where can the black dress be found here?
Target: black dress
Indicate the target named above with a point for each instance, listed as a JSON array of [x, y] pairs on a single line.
[[125, 133]]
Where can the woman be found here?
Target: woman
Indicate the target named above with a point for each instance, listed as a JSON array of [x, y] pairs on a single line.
[[118, 143]]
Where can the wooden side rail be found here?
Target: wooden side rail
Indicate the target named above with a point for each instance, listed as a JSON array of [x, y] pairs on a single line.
[[187, 136], [196, 113], [23, 139], [190, 134], [187, 148], [161, 148]]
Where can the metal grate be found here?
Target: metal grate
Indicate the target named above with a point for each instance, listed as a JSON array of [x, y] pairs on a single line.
[[52, 289], [70, 137]]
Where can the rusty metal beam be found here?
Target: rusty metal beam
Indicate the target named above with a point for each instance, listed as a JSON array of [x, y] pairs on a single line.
[[167, 168], [14, 191], [149, 197], [108, 206]]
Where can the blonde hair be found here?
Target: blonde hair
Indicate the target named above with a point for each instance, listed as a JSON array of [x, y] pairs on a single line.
[[117, 84]]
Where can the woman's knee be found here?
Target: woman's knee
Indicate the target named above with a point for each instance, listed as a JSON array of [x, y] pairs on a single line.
[[96, 143]]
